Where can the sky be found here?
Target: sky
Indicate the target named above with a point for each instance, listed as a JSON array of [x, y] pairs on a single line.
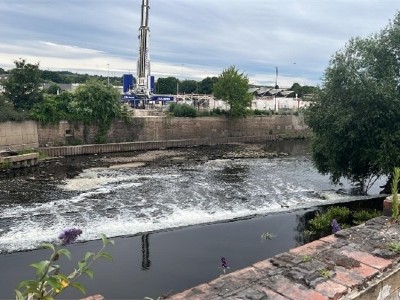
[[189, 39]]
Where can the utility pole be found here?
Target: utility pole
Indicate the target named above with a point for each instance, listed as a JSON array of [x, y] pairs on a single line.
[[108, 74], [276, 78]]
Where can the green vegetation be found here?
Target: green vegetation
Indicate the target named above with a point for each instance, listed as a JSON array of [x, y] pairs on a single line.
[[302, 90], [361, 216], [5, 165], [49, 281], [22, 88], [98, 104], [232, 88], [394, 247], [8, 112], [182, 110], [395, 189], [321, 224], [172, 85], [354, 119], [325, 273]]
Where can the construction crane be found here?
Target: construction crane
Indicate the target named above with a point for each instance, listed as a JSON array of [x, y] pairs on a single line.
[[139, 91], [145, 82]]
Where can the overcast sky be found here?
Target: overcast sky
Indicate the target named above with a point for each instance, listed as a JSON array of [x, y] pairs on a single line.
[[190, 39]]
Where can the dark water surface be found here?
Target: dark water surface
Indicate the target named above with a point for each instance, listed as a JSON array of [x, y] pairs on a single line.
[[156, 263]]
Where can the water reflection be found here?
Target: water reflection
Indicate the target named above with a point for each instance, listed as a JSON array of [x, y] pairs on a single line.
[[146, 262]]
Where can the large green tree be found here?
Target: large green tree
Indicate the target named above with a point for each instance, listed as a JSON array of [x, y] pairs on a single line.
[[167, 85], [188, 86], [22, 88], [96, 103], [356, 117], [232, 87], [207, 84], [55, 108]]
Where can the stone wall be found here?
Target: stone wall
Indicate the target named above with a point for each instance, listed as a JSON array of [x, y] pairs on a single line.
[[18, 135], [166, 128], [355, 263]]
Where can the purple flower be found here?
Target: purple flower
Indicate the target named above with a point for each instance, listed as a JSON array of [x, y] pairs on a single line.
[[69, 236], [335, 226], [224, 264]]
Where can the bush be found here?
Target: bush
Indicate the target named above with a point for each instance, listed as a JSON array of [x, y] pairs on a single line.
[[365, 215], [8, 113], [182, 110], [321, 223]]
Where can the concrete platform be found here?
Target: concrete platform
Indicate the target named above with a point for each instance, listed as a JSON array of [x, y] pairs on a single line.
[[355, 263], [19, 161]]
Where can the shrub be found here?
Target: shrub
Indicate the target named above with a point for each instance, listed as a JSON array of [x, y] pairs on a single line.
[[49, 281], [321, 223], [364, 215], [182, 110]]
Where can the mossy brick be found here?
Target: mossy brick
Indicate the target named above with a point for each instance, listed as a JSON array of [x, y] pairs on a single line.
[[331, 289], [200, 292], [258, 293], [231, 282], [376, 262], [291, 290], [308, 249]]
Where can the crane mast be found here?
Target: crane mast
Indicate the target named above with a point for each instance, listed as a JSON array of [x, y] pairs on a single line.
[[143, 88]]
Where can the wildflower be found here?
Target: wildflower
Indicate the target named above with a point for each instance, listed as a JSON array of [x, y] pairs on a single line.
[[69, 236], [224, 264], [335, 226]]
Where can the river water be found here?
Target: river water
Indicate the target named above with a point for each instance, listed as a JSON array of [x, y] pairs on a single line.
[[126, 201]]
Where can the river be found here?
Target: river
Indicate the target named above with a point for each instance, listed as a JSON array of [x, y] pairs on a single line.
[[126, 201]]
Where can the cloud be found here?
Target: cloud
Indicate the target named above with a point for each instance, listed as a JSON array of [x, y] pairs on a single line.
[[189, 39]]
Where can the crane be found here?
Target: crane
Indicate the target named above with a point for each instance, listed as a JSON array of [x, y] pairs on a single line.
[[145, 82]]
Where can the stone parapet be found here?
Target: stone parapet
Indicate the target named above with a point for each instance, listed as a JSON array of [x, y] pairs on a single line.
[[355, 263]]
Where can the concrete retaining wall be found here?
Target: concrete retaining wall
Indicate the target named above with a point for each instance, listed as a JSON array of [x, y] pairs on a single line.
[[18, 135], [134, 146], [146, 133], [166, 128]]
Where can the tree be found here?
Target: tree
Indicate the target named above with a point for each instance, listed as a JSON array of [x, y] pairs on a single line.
[[54, 108], [53, 89], [167, 85], [188, 86], [98, 104], [355, 119], [53, 76], [232, 87], [22, 88], [8, 113], [206, 85]]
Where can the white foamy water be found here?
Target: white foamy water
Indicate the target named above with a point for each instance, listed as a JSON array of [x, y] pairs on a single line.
[[127, 201]]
